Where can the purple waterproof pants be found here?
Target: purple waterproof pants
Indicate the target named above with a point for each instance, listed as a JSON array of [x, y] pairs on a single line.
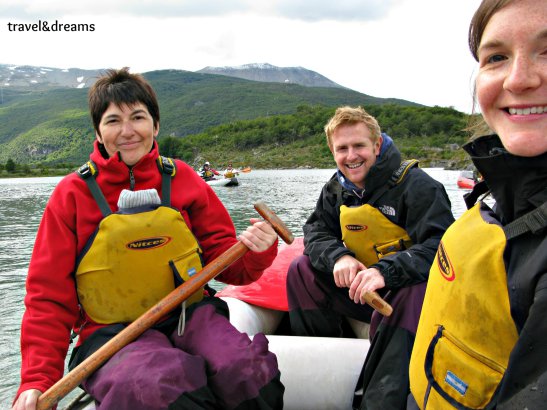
[[211, 366], [317, 308]]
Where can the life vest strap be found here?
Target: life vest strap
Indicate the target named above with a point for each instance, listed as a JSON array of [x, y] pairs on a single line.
[[168, 169], [533, 221], [88, 172], [396, 178], [400, 173]]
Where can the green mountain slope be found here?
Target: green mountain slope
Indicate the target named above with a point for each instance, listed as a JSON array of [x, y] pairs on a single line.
[[53, 126]]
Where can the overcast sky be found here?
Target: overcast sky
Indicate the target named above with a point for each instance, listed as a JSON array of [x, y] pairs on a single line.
[[410, 49]]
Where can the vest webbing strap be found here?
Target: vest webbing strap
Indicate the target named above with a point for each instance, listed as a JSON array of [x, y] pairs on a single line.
[[88, 173], [396, 178], [168, 170], [534, 221], [399, 174]]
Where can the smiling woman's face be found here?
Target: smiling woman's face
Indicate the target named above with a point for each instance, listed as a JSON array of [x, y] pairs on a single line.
[[512, 80], [129, 130]]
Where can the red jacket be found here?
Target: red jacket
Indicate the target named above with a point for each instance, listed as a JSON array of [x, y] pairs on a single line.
[[69, 219]]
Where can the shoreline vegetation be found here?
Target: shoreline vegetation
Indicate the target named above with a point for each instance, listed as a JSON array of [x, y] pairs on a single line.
[[432, 135]]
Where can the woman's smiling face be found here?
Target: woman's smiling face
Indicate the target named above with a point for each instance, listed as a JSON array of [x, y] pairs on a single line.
[[512, 80], [128, 130]]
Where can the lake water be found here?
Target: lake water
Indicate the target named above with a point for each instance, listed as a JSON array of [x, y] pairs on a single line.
[[291, 194]]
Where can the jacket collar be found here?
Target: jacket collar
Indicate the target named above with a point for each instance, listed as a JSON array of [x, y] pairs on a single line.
[[518, 184], [116, 172]]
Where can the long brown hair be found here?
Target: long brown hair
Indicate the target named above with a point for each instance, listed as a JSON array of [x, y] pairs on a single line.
[[477, 126], [479, 21]]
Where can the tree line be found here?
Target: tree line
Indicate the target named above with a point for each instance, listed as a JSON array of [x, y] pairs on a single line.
[[12, 168], [430, 134]]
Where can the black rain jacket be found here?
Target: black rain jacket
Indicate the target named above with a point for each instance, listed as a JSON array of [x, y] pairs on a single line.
[[519, 185], [421, 207]]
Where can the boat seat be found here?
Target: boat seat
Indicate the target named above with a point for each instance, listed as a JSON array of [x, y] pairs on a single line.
[[252, 319]]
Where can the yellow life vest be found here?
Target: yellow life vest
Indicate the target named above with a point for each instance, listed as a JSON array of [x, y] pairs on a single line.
[[466, 331], [135, 259], [133, 262], [370, 235]]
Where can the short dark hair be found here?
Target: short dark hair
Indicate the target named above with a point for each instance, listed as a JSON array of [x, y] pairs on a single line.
[[121, 87]]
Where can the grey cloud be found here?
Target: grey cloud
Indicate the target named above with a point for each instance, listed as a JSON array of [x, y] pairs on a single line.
[[307, 10], [341, 10]]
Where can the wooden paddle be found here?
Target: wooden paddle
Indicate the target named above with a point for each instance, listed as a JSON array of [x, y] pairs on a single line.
[[173, 300], [377, 303]]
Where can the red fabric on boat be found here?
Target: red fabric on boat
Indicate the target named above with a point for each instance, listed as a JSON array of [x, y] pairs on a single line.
[[270, 290]]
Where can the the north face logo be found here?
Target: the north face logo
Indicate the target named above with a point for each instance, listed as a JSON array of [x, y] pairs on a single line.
[[387, 210]]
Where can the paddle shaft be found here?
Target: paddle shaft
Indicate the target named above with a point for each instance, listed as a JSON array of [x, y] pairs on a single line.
[[149, 318]]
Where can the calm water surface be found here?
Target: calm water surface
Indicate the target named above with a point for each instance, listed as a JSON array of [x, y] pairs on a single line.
[[291, 194]]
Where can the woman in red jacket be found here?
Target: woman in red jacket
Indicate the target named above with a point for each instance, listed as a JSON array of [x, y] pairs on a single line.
[[151, 237]]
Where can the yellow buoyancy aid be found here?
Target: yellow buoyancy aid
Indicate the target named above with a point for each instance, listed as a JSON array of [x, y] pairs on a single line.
[[370, 235], [466, 332], [133, 261]]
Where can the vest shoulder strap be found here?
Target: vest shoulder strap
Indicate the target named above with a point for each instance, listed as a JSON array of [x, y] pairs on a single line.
[[88, 172], [533, 221], [400, 173], [168, 169], [396, 178]]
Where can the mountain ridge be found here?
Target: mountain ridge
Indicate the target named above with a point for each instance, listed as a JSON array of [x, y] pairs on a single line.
[[42, 77], [265, 72], [40, 122]]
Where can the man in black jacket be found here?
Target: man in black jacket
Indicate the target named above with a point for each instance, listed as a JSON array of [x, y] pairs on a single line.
[[376, 227]]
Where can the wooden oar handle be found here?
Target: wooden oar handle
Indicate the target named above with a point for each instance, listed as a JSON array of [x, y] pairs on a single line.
[[278, 225], [149, 318], [372, 298], [379, 304]]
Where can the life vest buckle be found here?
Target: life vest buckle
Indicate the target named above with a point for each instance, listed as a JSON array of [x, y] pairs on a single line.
[[167, 165], [86, 170]]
